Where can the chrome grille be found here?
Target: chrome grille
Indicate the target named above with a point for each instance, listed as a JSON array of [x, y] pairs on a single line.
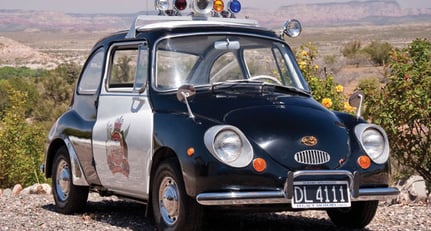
[[312, 157]]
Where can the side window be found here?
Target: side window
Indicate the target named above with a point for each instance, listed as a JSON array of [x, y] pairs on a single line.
[[129, 67], [92, 74], [226, 67]]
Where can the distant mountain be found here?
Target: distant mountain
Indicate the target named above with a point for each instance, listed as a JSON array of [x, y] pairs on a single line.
[[342, 13], [354, 12]]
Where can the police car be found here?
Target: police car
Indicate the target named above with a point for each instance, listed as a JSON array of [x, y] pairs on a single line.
[[193, 110]]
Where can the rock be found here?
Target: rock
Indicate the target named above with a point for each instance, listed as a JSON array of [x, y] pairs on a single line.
[[38, 189], [7, 192], [412, 190], [418, 189], [16, 189], [1, 192]]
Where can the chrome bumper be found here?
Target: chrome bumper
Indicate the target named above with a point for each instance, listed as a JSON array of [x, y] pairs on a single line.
[[284, 196]]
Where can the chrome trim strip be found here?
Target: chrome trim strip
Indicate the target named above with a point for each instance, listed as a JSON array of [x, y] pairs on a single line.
[[78, 177], [366, 194], [242, 198], [279, 197]]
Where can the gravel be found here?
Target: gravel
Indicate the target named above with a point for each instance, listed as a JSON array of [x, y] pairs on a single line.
[[37, 212]]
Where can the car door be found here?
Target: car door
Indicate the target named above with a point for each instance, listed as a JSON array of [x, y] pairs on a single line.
[[122, 135]]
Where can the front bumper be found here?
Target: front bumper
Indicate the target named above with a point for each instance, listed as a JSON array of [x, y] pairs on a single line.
[[284, 196]]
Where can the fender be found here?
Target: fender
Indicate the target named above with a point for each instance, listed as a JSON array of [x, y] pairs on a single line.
[[71, 130], [188, 134]]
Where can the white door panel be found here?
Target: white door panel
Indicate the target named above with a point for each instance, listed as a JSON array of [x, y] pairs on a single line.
[[122, 143]]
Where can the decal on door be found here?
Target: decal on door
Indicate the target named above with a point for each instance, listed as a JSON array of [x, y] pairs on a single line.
[[116, 147]]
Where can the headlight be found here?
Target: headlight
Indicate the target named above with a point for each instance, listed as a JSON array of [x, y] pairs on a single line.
[[228, 145], [374, 141]]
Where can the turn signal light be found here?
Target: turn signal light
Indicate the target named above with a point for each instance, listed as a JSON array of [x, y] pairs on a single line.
[[364, 162], [190, 151], [259, 164]]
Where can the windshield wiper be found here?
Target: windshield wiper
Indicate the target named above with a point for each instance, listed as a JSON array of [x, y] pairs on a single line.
[[238, 86], [290, 89]]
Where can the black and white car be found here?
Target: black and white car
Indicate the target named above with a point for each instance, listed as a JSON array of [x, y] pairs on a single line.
[[193, 113]]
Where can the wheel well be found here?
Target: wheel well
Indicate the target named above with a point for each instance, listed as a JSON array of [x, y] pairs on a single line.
[[55, 145], [161, 155]]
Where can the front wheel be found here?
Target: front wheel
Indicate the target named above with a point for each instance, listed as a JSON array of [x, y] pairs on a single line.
[[172, 208], [357, 216], [68, 197]]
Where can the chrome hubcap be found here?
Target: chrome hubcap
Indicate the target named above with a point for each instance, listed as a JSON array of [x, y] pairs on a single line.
[[169, 200], [63, 181]]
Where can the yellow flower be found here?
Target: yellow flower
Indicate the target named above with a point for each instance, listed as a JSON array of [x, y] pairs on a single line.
[[339, 88], [316, 66], [327, 102], [348, 108], [304, 53], [302, 65]]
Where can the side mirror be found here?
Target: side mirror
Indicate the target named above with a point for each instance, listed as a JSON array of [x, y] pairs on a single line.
[[356, 100], [291, 28], [183, 94]]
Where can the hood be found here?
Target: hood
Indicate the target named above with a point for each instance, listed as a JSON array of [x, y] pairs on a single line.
[[278, 121], [297, 126]]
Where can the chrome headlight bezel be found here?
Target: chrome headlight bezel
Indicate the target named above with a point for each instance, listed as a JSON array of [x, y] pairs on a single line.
[[374, 142], [229, 145]]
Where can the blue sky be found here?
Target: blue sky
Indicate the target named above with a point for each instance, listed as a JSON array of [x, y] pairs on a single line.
[[131, 6]]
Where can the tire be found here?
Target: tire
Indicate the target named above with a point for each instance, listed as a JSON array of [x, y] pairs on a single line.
[[68, 197], [173, 209], [359, 215]]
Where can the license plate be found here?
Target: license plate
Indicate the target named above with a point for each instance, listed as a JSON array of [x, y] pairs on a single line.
[[321, 194]]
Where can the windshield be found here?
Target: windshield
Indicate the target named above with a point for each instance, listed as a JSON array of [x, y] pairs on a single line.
[[210, 59]]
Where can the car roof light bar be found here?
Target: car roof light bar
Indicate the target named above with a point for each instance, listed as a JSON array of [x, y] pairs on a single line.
[[214, 8], [150, 19]]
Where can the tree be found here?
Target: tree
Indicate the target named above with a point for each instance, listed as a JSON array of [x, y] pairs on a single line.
[[403, 106]]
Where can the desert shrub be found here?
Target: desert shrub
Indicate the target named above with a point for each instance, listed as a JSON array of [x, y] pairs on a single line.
[[21, 145], [403, 106], [68, 71], [323, 88], [13, 72], [354, 53], [22, 84], [378, 52]]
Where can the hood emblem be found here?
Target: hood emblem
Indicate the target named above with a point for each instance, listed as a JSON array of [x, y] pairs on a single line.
[[309, 140]]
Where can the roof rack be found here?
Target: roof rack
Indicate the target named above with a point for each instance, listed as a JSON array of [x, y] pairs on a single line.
[[148, 19]]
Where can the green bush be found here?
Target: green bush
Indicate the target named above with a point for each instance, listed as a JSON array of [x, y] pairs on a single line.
[[13, 72], [403, 106], [379, 52], [324, 89], [21, 145]]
